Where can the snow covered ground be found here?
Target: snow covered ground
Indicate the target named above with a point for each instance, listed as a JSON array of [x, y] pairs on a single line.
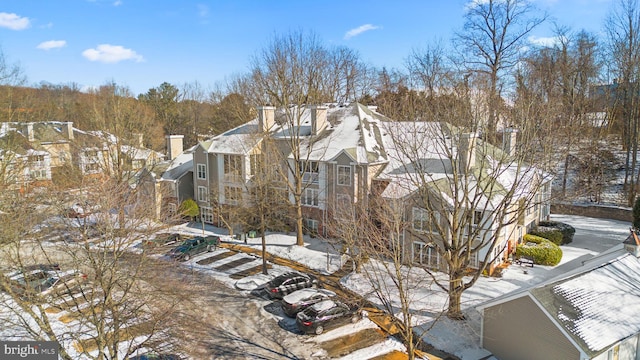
[[461, 338]]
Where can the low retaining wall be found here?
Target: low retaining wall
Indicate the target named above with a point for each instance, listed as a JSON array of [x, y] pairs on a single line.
[[595, 211]]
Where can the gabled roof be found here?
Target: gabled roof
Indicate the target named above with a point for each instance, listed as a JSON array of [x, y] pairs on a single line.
[[15, 142], [178, 167], [597, 305], [353, 129], [422, 153], [49, 132], [239, 140]]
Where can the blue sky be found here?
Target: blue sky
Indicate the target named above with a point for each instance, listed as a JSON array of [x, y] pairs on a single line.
[[142, 43]]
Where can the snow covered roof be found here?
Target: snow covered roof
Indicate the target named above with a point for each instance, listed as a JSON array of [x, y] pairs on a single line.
[[324, 305], [354, 129], [596, 304], [179, 166], [599, 307], [423, 153], [239, 140]]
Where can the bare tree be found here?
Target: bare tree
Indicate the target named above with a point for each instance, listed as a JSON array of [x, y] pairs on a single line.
[[622, 27], [371, 238], [110, 301], [290, 73], [467, 201], [10, 73], [493, 35], [554, 83]]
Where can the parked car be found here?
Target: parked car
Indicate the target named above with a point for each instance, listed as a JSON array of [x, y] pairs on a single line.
[[21, 282], [287, 283], [194, 246], [62, 282], [162, 239], [325, 315], [301, 299], [47, 283]]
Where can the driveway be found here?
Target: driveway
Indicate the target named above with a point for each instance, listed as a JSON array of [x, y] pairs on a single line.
[[594, 234]]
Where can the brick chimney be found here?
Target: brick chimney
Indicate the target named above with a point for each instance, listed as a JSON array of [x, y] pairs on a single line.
[[467, 152], [266, 118], [318, 119], [28, 128], [509, 136], [139, 140], [174, 146], [67, 130]]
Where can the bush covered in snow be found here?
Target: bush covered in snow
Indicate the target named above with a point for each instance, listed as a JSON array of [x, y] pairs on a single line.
[[540, 250]]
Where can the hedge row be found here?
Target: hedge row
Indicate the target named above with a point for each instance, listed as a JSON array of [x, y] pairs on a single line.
[[566, 230], [540, 250]]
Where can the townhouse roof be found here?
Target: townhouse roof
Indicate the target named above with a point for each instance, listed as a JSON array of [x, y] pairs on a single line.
[[49, 132], [354, 129], [239, 140], [596, 304], [178, 167], [139, 153], [422, 153], [14, 141]]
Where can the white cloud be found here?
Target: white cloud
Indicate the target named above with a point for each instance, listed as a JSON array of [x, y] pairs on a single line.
[[550, 41], [51, 44], [107, 53], [13, 21], [117, 3], [359, 30]]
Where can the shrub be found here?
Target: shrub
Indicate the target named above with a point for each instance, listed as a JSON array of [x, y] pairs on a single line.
[[566, 230], [551, 234], [540, 250]]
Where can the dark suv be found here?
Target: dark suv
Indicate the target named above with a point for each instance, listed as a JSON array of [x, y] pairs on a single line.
[[194, 246]]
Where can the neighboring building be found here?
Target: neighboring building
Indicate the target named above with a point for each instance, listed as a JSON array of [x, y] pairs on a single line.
[[346, 152], [588, 313], [51, 150], [22, 164], [169, 182], [436, 148]]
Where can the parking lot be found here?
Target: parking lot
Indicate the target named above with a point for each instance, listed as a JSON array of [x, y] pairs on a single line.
[[224, 280]]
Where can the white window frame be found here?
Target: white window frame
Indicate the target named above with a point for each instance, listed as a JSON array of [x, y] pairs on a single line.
[[425, 254], [232, 167], [424, 216], [475, 220], [203, 194], [232, 190], [206, 214], [343, 173], [202, 171], [311, 224], [310, 171], [310, 197]]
